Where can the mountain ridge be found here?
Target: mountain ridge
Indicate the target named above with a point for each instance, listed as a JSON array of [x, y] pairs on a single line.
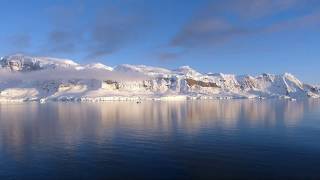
[[66, 80]]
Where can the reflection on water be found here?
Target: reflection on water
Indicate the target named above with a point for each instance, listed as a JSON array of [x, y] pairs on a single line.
[[74, 119], [28, 130]]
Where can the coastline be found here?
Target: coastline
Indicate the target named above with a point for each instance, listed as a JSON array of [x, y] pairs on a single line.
[[140, 99]]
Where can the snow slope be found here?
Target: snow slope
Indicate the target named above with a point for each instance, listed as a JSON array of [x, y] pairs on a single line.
[[19, 62], [27, 78]]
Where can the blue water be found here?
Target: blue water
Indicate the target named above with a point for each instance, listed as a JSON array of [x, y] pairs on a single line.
[[232, 139]]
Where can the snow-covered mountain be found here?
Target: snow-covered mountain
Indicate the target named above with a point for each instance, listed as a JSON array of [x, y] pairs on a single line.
[[26, 78], [19, 62]]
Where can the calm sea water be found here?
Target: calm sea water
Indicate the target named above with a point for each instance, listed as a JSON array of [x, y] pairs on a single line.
[[161, 140]]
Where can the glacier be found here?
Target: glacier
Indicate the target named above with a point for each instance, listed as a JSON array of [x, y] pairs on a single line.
[[28, 78]]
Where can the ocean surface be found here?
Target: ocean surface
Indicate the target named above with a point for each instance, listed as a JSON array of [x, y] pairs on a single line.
[[226, 139]]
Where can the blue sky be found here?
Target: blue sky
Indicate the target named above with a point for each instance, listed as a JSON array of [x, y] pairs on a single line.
[[229, 36]]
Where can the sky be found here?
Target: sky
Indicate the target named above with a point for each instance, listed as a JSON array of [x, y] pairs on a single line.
[[228, 36]]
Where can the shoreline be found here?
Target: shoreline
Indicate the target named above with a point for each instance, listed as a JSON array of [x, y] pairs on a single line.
[[140, 99]]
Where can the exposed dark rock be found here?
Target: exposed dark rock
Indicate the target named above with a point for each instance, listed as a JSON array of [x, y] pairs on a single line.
[[192, 82], [113, 82]]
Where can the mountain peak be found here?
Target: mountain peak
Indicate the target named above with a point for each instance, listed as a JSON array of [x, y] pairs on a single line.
[[187, 70], [21, 62], [99, 66]]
